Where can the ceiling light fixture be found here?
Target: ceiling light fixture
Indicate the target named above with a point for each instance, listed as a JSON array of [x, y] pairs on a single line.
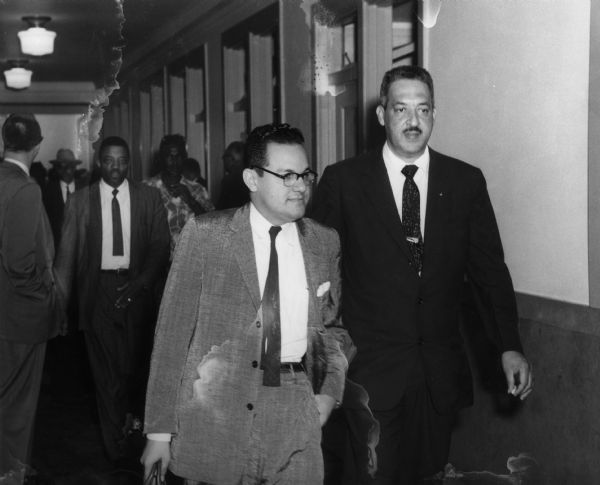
[[36, 40], [17, 77]]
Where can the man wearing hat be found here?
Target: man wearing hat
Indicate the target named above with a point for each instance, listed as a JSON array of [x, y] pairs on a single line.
[[60, 188], [29, 313]]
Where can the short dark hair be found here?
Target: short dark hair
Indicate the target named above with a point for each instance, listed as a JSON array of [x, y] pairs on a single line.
[[168, 141], [261, 136], [21, 133], [404, 72], [113, 141]]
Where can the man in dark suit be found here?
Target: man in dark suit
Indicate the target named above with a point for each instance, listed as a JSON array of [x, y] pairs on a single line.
[[114, 244], [413, 223], [60, 188], [29, 310], [247, 364]]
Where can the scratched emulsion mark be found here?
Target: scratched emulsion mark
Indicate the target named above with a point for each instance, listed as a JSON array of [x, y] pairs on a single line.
[[523, 470], [91, 122], [214, 370]]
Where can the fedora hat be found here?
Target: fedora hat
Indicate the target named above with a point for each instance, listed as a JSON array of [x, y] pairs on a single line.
[[65, 155]]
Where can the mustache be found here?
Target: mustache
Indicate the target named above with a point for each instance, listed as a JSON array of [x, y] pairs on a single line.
[[412, 130]]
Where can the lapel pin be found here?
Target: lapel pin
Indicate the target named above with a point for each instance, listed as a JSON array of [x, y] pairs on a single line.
[[441, 194]]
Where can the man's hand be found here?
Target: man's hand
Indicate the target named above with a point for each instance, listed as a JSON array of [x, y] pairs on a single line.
[[153, 452], [519, 375], [129, 291], [325, 404]]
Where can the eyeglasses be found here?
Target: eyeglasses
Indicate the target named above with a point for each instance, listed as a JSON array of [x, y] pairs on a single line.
[[290, 178]]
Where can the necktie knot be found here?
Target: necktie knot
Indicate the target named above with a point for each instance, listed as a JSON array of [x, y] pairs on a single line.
[[409, 171], [273, 231], [115, 192]]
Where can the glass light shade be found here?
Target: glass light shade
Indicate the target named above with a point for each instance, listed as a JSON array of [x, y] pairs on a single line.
[[18, 78], [37, 41]]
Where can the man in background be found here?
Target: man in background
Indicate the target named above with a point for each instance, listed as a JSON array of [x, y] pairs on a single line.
[[114, 245], [413, 223], [60, 188], [29, 309], [181, 197], [234, 192]]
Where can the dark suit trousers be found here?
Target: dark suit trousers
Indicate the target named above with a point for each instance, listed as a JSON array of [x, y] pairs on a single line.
[[118, 343], [21, 368]]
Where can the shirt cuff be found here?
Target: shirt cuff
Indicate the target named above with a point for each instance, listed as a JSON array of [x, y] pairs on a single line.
[[159, 437]]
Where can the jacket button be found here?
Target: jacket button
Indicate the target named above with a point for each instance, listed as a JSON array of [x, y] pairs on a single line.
[[254, 364], [250, 407], [420, 301], [258, 324], [420, 341]]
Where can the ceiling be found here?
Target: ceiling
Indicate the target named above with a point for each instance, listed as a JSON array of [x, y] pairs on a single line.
[[87, 32]]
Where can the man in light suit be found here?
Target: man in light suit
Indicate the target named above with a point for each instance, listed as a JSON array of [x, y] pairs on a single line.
[[29, 309], [247, 363], [114, 245], [413, 223]]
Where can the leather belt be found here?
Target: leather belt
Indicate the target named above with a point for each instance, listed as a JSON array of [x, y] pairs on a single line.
[[291, 367], [118, 272]]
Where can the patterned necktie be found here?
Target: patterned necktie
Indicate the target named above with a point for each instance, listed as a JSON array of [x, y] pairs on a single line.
[[411, 215], [271, 342], [117, 229]]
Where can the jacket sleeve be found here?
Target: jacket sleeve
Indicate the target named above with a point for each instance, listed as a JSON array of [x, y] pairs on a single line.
[[23, 217], [174, 330], [157, 254], [338, 344], [488, 274]]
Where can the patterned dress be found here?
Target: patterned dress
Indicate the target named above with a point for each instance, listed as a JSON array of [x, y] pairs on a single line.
[[178, 211]]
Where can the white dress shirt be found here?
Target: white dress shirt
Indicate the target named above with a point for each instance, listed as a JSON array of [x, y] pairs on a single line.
[[394, 166], [65, 187], [21, 165], [108, 260], [293, 288]]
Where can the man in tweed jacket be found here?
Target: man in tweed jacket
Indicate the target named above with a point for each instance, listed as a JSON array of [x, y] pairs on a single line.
[[206, 392]]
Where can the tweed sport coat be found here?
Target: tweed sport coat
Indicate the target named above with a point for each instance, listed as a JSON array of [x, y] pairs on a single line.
[[204, 370], [29, 308]]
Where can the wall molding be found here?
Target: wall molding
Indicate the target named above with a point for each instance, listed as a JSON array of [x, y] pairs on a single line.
[[567, 316]]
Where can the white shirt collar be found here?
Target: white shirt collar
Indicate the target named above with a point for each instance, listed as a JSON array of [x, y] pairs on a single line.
[[260, 225], [108, 188], [21, 165], [390, 157]]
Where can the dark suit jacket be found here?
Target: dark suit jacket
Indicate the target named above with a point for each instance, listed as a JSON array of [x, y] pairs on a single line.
[[29, 312], [204, 368], [400, 321], [80, 250], [55, 206]]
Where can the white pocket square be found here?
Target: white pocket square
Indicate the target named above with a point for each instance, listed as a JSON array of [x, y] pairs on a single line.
[[323, 288]]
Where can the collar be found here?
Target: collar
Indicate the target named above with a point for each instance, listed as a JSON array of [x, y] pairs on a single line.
[[107, 189], [395, 162], [21, 165], [260, 225]]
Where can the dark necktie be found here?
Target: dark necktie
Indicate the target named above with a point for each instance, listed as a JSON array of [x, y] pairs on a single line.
[[117, 229], [271, 342], [69, 194], [411, 216]]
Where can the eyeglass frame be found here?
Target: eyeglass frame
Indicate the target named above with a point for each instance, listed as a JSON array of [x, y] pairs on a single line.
[[287, 176]]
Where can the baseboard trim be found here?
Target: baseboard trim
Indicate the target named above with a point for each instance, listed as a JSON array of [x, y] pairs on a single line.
[[568, 316]]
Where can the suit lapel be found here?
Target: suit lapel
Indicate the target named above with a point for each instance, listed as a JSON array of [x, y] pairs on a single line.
[[378, 191], [94, 237], [438, 206], [242, 247], [309, 245]]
